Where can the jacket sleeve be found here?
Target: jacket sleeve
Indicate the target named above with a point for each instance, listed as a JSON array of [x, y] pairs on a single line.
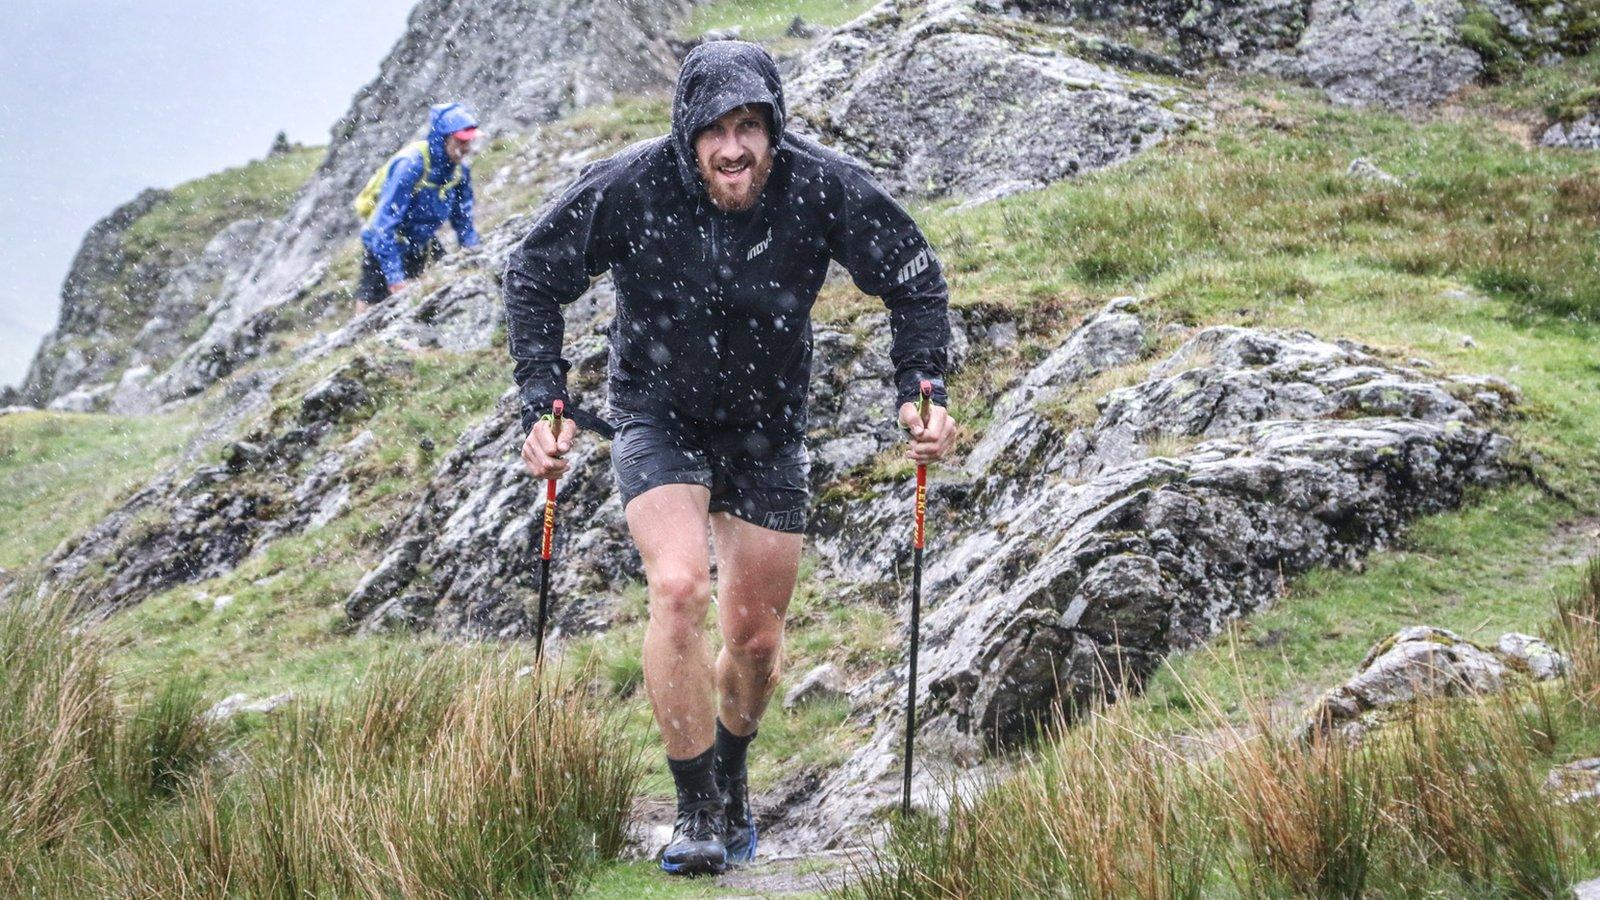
[[378, 235], [551, 267], [887, 256], [461, 211]]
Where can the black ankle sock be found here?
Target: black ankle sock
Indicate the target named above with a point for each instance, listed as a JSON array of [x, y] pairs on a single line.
[[694, 779], [730, 751]]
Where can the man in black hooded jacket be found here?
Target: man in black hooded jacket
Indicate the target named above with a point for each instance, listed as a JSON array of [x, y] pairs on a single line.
[[718, 237]]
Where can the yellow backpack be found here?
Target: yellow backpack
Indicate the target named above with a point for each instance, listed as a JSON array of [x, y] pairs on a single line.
[[367, 201]]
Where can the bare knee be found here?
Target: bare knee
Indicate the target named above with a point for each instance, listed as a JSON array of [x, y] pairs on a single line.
[[757, 651], [678, 601]]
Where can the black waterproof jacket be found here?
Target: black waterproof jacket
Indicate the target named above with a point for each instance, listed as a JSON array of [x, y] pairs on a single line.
[[713, 315]]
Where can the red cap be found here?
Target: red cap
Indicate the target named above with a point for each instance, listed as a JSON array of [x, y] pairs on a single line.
[[466, 134]]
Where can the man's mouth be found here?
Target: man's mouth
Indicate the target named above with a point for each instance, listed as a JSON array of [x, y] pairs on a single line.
[[734, 169]]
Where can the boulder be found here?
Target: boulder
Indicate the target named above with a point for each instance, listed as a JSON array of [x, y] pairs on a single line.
[[238, 704], [1363, 169], [1002, 105], [1423, 662], [1394, 53], [83, 400], [1578, 134], [1575, 782], [823, 683], [1068, 564], [1532, 656]]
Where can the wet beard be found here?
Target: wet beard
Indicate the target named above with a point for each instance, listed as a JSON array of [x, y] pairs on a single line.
[[737, 201]]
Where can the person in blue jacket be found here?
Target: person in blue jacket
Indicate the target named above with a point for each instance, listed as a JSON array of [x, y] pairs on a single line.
[[420, 191]]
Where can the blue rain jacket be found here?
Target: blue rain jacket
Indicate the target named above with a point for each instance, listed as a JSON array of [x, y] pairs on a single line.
[[412, 216]]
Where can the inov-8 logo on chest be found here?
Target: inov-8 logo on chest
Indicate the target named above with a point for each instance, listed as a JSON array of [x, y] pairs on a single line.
[[760, 248]]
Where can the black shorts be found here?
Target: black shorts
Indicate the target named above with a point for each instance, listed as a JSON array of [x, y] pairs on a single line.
[[751, 474], [374, 288]]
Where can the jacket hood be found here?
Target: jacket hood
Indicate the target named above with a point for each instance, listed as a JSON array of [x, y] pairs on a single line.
[[445, 119], [718, 76]]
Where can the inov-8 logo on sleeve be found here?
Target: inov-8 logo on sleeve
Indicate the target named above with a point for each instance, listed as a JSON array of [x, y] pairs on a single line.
[[917, 266]]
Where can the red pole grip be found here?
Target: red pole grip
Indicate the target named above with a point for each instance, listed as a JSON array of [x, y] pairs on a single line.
[[556, 409], [922, 472]]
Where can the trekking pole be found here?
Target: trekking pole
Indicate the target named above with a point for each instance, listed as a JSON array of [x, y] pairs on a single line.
[[916, 608], [549, 539]]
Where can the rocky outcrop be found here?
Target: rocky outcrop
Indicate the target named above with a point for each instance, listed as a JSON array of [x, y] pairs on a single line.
[[1201, 30], [103, 291], [1001, 105], [1070, 557], [1395, 53], [1579, 134], [1389, 52], [1420, 663], [518, 63], [190, 525]]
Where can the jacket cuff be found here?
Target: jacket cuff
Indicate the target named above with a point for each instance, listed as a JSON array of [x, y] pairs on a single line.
[[909, 390], [588, 421]]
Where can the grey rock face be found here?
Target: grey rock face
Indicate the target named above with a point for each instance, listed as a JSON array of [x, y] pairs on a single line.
[[1000, 107], [1395, 53], [1205, 30], [1580, 134], [1422, 662], [1384, 52], [100, 288], [1066, 577]]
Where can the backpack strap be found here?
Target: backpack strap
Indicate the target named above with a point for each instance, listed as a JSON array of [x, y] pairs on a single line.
[[427, 166]]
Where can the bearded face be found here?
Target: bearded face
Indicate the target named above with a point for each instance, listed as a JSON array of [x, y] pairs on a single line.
[[735, 156]]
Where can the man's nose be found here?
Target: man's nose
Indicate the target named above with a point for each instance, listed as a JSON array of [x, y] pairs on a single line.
[[725, 148]]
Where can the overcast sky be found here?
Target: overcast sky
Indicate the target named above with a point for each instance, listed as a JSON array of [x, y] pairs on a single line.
[[102, 98]]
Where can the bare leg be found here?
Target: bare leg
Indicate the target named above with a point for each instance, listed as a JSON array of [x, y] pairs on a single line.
[[669, 525], [756, 570]]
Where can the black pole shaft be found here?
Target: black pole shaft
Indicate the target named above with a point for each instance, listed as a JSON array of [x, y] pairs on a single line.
[[544, 605], [911, 677]]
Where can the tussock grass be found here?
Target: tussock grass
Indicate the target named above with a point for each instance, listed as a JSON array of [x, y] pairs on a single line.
[[429, 782], [1449, 800], [70, 760], [451, 777], [1577, 632]]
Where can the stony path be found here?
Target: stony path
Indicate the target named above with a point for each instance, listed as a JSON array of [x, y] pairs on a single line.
[[787, 876], [779, 872]]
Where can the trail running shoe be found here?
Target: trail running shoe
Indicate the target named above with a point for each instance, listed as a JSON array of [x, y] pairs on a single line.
[[696, 847], [740, 834]]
